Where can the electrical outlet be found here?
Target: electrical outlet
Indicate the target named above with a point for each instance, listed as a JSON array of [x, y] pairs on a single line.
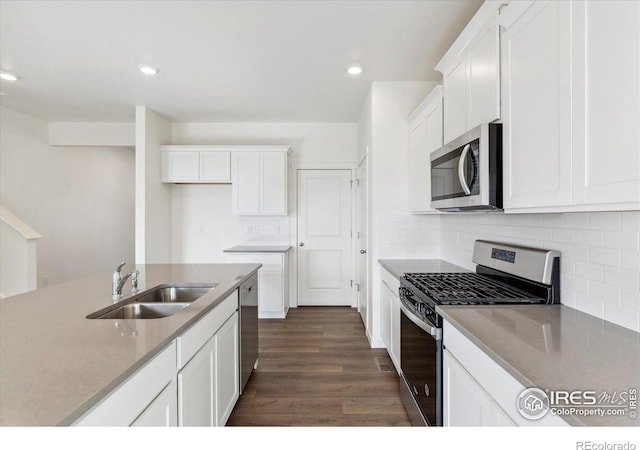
[[45, 280], [201, 228]]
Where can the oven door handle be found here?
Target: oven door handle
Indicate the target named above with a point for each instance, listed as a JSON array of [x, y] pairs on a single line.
[[429, 328]]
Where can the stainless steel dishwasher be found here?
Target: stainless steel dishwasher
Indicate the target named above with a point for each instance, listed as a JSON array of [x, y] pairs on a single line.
[[248, 329]]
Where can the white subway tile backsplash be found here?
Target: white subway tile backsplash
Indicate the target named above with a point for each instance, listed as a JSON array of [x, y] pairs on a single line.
[[630, 260], [589, 305], [589, 271], [604, 292], [542, 234], [604, 221], [630, 221], [574, 252], [604, 256], [627, 279], [576, 221], [600, 262], [573, 284], [563, 235], [622, 316], [591, 238], [623, 240], [552, 220], [630, 299]]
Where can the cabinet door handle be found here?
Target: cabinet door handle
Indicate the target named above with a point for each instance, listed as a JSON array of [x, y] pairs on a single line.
[[363, 252], [301, 244]]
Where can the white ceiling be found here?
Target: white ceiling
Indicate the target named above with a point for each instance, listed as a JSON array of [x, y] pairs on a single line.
[[231, 61]]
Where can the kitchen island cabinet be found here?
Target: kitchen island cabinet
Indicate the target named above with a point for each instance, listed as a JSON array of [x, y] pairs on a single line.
[[59, 368]]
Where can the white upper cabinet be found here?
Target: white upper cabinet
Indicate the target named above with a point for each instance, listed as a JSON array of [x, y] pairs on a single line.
[[455, 100], [606, 93], [259, 182], [425, 136], [195, 164], [471, 75], [571, 106], [537, 101]]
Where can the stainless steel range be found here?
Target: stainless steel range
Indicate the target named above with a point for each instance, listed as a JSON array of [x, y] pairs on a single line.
[[505, 274]]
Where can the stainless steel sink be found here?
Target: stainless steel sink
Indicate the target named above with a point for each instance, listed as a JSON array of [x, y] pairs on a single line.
[[161, 301], [144, 311], [175, 293]]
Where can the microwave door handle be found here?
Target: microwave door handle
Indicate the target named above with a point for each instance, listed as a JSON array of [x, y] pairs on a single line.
[[463, 180]]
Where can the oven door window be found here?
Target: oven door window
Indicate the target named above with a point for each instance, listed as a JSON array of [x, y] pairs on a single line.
[[449, 174], [420, 357]]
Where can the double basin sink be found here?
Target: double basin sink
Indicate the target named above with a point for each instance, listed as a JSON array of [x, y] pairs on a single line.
[[161, 301]]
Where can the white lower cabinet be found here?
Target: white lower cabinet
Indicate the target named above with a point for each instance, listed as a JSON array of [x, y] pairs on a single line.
[[465, 402], [162, 411], [273, 281], [477, 390], [208, 384], [197, 389], [227, 369], [390, 315]]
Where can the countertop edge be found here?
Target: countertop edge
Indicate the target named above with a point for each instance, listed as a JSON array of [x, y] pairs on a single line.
[[521, 378], [258, 249], [101, 395]]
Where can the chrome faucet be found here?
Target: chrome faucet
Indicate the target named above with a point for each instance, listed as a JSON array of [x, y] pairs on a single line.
[[119, 280]]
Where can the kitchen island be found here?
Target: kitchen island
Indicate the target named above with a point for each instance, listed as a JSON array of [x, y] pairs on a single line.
[[55, 364]]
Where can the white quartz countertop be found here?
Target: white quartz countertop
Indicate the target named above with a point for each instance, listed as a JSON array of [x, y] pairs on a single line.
[[55, 363], [557, 348]]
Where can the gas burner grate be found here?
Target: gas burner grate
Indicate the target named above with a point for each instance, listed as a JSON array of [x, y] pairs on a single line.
[[466, 288]]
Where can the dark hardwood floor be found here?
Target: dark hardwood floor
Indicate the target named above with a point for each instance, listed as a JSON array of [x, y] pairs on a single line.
[[316, 368]]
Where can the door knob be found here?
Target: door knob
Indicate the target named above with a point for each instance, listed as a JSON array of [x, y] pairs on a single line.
[[301, 244], [362, 252]]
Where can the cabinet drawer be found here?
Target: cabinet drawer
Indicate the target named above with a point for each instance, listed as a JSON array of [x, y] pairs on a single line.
[[392, 282], [129, 400], [273, 259], [192, 340]]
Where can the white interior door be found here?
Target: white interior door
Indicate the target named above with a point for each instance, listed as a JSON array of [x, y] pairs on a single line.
[[362, 240], [324, 237]]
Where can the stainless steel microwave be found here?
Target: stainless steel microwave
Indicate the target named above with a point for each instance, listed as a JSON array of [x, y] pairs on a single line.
[[466, 174]]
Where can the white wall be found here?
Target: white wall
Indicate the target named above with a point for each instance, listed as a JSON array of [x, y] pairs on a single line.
[[153, 198], [202, 223], [81, 199], [600, 261], [392, 228]]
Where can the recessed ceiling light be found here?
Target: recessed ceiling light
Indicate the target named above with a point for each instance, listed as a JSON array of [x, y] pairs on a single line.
[[148, 70], [354, 70], [8, 76]]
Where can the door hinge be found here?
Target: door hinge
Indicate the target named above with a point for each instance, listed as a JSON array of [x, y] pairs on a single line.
[[358, 182], [351, 183], [351, 283], [358, 234]]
